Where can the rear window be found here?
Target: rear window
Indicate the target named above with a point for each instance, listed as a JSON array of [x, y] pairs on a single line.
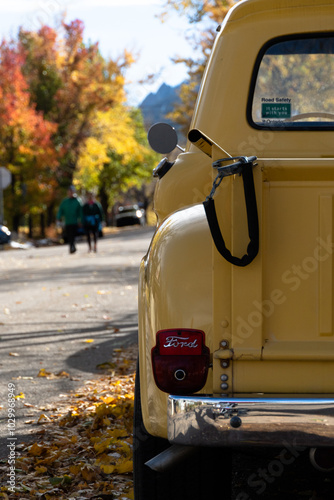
[[293, 87]]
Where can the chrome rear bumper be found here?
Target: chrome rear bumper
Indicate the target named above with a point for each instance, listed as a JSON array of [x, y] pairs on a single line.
[[214, 421]]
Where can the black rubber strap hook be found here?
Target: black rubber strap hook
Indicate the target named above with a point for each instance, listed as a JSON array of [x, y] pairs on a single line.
[[244, 167]]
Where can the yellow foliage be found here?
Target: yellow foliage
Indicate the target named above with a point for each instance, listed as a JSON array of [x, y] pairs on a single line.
[[108, 400], [40, 469], [43, 373], [125, 467], [36, 450], [107, 469], [117, 433], [101, 445], [112, 131], [20, 396], [75, 469]]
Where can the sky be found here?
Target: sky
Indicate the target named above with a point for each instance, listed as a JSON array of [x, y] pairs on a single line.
[[117, 25]]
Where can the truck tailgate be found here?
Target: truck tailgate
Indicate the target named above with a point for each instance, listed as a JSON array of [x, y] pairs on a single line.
[[278, 323]]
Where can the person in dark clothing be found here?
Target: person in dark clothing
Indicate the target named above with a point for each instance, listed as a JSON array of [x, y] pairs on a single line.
[[70, 210], [92, 218]]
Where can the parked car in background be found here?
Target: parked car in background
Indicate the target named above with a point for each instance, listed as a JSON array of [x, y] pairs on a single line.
[[5, 235], [130, 215]]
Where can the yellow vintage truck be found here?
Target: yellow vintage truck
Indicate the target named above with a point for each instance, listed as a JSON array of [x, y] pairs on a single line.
[[236, 325]]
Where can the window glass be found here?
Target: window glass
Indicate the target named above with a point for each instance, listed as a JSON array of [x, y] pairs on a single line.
[[295, 85]]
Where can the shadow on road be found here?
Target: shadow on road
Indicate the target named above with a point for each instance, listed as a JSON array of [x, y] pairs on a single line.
[[61, 332], [93, 274], [87, 359]]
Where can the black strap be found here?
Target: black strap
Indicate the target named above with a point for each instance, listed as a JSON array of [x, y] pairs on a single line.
[[252, 219]]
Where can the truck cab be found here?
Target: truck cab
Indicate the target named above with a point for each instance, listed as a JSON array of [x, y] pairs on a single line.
[[236, 333]]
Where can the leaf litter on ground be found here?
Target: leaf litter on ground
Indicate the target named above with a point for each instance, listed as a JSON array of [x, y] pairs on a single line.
[[83, 450]]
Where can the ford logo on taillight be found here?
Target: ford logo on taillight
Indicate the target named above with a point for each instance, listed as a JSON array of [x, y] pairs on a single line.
[[180, 342], [180, 360]]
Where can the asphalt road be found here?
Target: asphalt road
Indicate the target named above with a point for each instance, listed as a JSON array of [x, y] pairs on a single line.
[[63, 315], [67, 313]]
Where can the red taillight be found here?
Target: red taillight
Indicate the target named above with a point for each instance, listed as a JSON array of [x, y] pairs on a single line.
[[180, 361]]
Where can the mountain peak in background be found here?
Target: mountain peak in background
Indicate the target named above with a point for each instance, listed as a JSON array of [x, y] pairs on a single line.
[[156, 106]]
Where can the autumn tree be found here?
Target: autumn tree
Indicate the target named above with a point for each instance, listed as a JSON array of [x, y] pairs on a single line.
[[64, 118], [70, 81], [26, 148], [206, 15], [116, 156]]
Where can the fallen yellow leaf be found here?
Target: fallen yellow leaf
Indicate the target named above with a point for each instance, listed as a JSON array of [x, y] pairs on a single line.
[[107, 469], [102, 445], [36, 450], [131, 494], [88, 473], [40, 469], [124, 467], [43, 418], [43, 373], [62, 374], [108, 400], [52, 457], [75, 469]]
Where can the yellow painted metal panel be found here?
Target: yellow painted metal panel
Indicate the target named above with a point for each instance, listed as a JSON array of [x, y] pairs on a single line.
[[298, 351], [325, 296], [173, 295], [282, 303], [290, 377]]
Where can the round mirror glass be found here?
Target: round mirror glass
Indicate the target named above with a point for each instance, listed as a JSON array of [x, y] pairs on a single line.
[[162, 138]]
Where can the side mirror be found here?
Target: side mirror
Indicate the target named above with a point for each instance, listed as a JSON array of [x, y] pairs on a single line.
[[162, 138]]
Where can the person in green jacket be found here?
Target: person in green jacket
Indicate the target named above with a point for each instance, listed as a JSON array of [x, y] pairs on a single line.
[[92, 218], [70, 210]]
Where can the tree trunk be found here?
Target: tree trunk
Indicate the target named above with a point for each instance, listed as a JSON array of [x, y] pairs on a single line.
[[42, 222], [50, 214], [30, 225], [16, 223]]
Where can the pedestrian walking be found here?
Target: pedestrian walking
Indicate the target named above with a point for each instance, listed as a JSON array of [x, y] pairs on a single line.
[[92, 219], [70, 210]]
